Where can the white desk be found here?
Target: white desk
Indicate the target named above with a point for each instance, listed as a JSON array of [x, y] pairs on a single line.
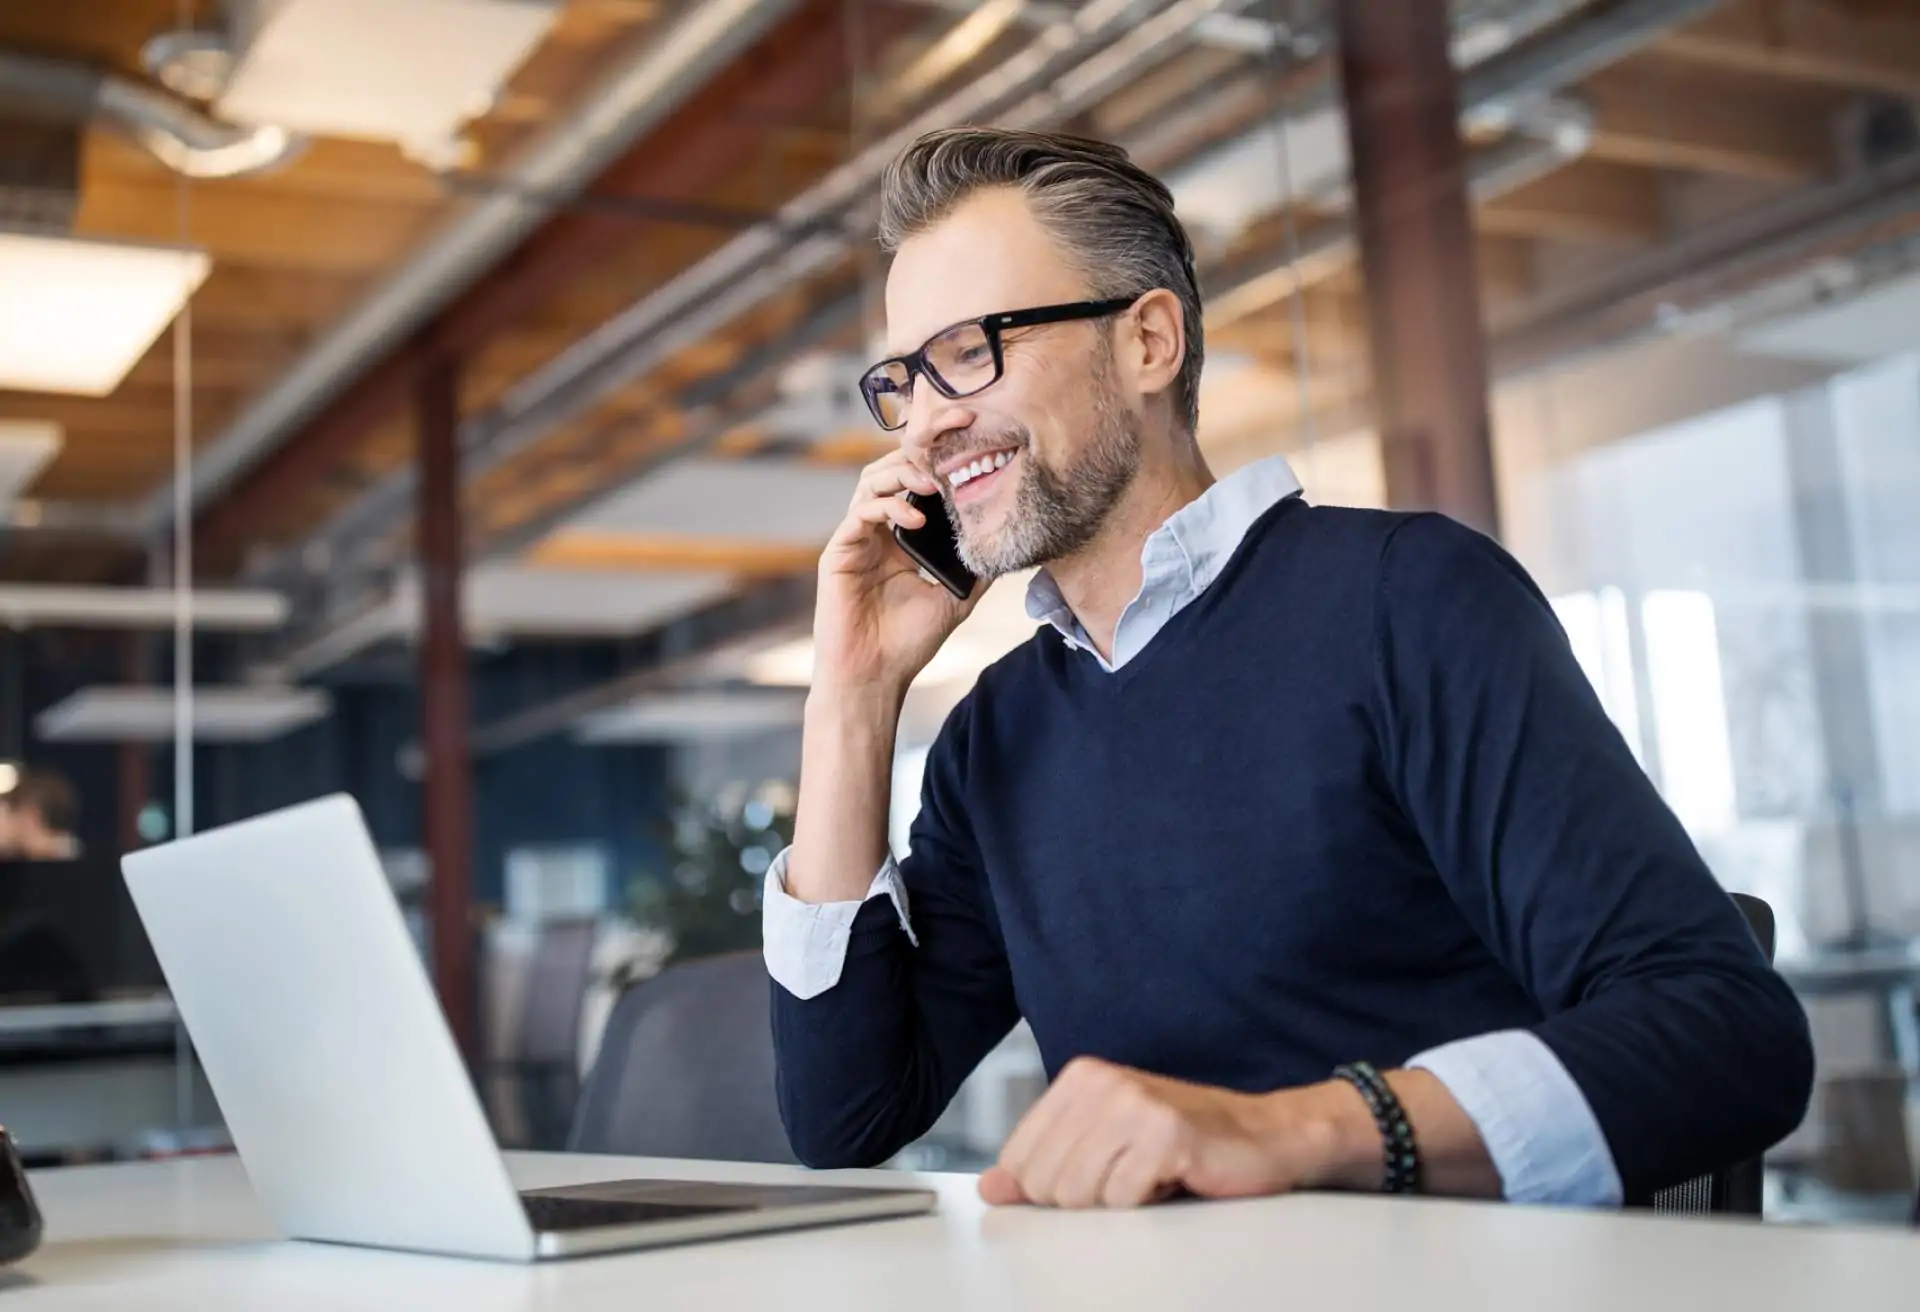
[[188, 1235]]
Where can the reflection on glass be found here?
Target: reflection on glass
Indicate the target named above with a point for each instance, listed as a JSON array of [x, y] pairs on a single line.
[[1690, 708]]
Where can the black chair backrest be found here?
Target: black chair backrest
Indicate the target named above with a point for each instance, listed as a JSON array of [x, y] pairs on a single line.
[[1759, 919], [686, 1069], [1734, 1190]]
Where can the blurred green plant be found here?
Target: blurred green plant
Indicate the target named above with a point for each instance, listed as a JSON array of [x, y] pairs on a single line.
[[707, 901]]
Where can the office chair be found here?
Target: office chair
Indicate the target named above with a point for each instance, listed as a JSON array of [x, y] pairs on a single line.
[[686, 1069], [545, 1063], [1734, 1190]]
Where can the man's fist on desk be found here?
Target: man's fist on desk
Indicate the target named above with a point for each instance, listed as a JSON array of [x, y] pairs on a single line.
[[1108, 1136]]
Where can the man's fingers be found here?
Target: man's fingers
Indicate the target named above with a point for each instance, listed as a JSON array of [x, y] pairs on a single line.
[[1138, 1176], [891, 475], [1083, 1176], [1055, 1158], [1046, 1121], [998, 1188], [1070, 1135], [890, 508]]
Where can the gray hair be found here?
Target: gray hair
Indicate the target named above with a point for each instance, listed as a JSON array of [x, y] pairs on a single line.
[[1114, 220]]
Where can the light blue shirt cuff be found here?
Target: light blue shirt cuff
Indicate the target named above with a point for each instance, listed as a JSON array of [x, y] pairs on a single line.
[[1535, 1122], [805, 943]]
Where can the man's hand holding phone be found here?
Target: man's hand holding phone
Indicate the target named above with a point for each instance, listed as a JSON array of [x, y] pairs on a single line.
[[876, 624], [878, 620]]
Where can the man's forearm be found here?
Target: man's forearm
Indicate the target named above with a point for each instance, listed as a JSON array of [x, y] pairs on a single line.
[[846, 785], [1350, 1153]]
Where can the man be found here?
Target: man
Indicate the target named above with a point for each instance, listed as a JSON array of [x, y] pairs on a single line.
[[38, 818], [1275, 791]]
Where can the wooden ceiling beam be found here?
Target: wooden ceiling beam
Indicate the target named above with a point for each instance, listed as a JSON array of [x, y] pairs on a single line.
[[1334, 324], [328, 168], [264, 299], [628, 553], [1823, 43], [85, 414], [264, 228], [108, 32], [1587, 201], [1655, 116]]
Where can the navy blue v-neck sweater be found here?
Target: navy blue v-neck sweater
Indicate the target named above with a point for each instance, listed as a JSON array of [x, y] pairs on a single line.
[[1355, 801]]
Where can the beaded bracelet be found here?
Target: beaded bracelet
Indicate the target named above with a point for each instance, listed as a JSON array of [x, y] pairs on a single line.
[[1396, 1131]]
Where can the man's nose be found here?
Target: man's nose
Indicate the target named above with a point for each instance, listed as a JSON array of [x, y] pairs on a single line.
[[930, 417]]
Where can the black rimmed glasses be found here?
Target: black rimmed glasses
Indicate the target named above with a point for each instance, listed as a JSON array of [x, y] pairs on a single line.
[[965, 358]]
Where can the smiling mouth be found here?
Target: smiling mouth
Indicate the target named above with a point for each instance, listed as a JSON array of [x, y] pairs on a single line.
[[977, 475]]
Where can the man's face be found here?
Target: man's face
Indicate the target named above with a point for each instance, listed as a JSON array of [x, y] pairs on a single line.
[[9, 840], [1070, 440]]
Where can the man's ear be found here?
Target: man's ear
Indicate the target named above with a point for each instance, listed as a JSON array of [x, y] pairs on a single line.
[[1154, 341]]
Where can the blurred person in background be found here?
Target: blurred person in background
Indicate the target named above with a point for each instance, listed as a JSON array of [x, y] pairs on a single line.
[[38, 819], [1295, 833]]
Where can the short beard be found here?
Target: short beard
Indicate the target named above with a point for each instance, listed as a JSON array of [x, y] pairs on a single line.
[[1058, 513]]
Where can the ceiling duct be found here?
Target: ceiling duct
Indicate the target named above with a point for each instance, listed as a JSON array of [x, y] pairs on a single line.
[[180, 134]]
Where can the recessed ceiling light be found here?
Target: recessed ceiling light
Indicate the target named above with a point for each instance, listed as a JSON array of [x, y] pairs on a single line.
[[147, 714], [78, 314]]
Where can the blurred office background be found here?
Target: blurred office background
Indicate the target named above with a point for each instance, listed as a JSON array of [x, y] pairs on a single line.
[[442, 401]]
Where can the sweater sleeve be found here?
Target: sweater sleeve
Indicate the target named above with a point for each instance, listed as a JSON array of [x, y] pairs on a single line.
[[866, 1067], [1690, 1050]]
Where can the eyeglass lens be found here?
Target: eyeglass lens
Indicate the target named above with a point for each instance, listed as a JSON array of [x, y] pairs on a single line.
[[961, 361]]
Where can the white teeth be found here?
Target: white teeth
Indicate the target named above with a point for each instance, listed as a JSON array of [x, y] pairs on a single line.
[[964, 475]]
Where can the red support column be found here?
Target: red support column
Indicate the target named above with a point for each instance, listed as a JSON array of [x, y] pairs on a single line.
[[448, 784], [1417, 250]]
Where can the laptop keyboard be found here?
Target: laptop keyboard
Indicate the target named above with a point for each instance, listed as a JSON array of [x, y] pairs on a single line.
[[551, 1212]]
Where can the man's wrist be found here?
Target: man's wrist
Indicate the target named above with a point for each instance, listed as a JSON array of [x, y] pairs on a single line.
[[1329, 1132], [863, 708]]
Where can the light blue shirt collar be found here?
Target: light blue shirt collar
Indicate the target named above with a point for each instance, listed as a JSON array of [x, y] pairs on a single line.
[[1179, 561]]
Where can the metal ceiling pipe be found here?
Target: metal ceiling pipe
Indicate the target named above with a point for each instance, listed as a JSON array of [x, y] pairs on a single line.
[[1239, 290], [1069, 66], [1560, 57], [180, 134], [634, 97], [1693, 279]]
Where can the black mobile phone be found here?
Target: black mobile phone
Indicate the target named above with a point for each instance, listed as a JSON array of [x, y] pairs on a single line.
[[934, 547]]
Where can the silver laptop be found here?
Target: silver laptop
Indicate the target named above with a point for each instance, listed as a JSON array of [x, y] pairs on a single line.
[[346, 1097]]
